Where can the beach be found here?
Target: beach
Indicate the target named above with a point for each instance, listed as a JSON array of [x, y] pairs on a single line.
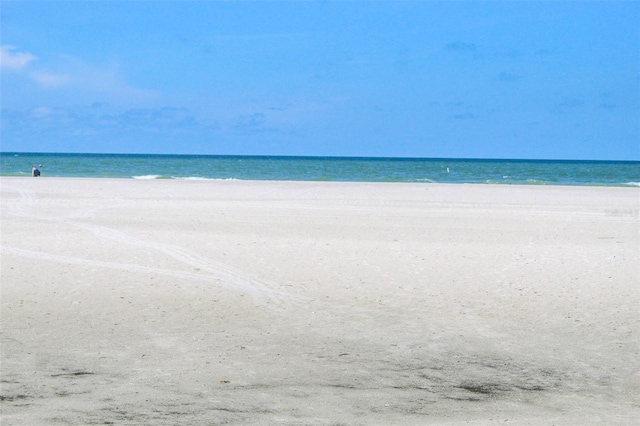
[[318, 303]]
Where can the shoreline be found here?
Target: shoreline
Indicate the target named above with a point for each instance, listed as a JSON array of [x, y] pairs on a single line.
[[326, 169], [306, 302], [631, 186]]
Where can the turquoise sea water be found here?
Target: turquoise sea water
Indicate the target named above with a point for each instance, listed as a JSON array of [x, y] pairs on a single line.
[[528, 172]]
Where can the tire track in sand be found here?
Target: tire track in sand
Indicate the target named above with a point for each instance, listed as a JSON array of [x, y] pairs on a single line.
[[130, 267], [219, 272], [210, 270]]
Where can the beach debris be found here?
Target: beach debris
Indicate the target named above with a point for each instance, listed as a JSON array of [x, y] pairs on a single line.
[[73, 373]]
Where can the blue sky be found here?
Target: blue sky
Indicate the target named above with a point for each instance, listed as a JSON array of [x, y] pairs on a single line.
[[542, 80]]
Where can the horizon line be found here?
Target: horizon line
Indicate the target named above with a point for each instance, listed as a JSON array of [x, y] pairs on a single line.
[[362, 157]]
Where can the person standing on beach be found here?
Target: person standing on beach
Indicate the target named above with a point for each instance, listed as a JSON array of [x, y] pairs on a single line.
[[35, 172]]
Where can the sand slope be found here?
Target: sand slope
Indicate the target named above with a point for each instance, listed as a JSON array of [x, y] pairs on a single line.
[[206, 302]]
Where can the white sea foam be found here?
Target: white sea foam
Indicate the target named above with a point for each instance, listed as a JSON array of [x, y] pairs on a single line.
[[189, 178], [199, 178], [632, 183], [537, 182], [146, 177]]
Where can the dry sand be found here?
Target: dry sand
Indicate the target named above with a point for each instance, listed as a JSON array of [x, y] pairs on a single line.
[[206, 302]]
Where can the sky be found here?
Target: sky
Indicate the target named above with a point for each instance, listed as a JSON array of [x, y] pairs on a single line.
[[435, 79]]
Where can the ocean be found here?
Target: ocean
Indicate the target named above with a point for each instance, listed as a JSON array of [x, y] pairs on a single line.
[[330, 169]]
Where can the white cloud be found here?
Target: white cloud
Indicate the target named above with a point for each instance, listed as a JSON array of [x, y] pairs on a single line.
[[14, 60], [49, 116], [45, 112], [49, 80], [102, 82], [74, 79]]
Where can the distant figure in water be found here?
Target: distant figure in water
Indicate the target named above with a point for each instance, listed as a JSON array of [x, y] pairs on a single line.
[[35, 172]]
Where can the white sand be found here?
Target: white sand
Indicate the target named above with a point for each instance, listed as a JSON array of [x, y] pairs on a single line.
[[204, 302]]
